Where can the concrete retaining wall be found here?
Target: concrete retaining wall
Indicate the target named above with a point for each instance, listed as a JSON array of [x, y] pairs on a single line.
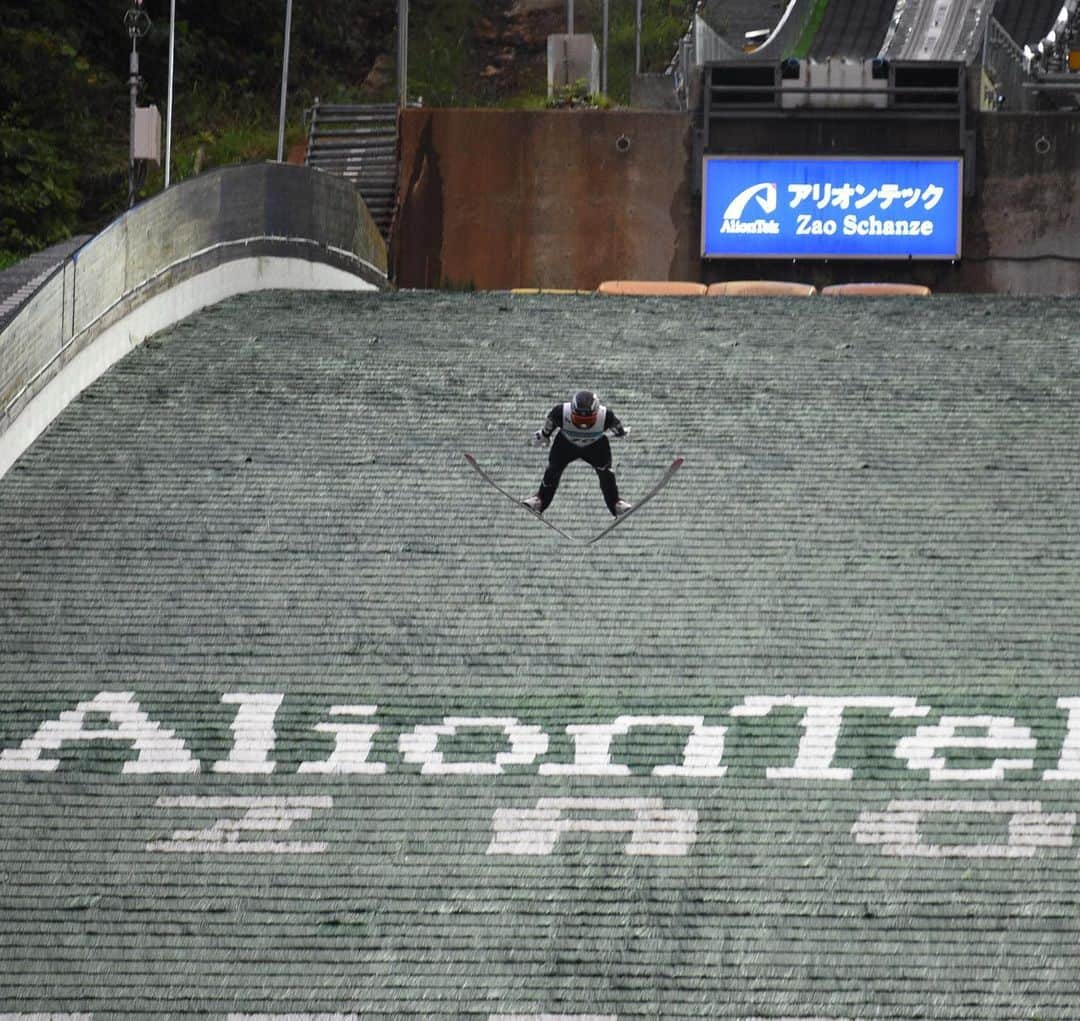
[[566, 199], [229, 231], [1022, 231]]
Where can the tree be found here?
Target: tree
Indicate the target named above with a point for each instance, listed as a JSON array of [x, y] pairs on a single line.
[[58, 111]]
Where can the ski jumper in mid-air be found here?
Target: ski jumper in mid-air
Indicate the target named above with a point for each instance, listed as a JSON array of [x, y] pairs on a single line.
[[583, 425]]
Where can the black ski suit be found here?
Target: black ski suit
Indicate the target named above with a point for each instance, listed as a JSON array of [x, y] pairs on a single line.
[[573, 442]]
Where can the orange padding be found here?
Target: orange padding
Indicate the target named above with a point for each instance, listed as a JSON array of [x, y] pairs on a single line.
[[877, 290], [652, 288], [762, 289]]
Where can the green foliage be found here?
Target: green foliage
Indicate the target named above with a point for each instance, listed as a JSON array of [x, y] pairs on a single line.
[[52, 99], [663, 23], [64, 98], [64, 101], [810, 29], [574, 95], [440, 48], [38, 193], [230, 141]]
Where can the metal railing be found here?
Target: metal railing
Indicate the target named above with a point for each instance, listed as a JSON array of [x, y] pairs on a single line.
[[699, 45], [1008, 67]]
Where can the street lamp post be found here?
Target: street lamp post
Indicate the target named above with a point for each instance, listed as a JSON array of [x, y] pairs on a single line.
[[637, 38], [604, 49], [403, 53], [284, 82], [169, 92], [137, 23]]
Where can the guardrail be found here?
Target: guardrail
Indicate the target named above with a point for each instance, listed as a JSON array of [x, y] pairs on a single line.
[[1008, 67], [232, 230]]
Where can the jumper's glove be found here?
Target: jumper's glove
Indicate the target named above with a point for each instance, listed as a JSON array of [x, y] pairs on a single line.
[[619, 433], [539, 439]]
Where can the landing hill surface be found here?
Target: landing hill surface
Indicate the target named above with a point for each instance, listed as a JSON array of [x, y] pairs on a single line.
[[300, 719]]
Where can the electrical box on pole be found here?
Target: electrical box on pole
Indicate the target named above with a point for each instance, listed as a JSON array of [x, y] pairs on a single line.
[[147, 134], [137, 23], [572, 59]]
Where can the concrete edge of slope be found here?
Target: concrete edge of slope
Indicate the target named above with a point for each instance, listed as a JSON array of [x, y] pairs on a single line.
[[234, 230]]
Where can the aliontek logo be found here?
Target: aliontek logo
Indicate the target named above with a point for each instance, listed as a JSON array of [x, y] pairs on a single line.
[[734, 221]]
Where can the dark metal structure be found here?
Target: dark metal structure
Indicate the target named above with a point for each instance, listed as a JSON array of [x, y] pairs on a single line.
[[855, 29], [1027, 21], [840, 108]]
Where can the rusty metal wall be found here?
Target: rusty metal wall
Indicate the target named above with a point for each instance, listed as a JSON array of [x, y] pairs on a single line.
[[555, 198], [566, 199]]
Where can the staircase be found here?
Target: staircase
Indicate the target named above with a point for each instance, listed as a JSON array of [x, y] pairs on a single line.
[[359, 142]]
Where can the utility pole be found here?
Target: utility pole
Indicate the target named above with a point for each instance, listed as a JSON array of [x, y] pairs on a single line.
[[169, 91], [403, 52], [603, 59], [137, 23], [637, 39], [284, 83]]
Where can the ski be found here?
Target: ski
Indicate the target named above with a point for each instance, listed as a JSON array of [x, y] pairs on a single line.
[[514, 500], [668, 475]]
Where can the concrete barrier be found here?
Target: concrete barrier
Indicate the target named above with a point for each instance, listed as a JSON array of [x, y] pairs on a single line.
[[233, 230], [876, 290], [761, 289], [652, 288]]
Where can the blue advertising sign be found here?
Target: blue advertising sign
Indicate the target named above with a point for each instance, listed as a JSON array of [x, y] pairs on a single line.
[[815, 207]]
